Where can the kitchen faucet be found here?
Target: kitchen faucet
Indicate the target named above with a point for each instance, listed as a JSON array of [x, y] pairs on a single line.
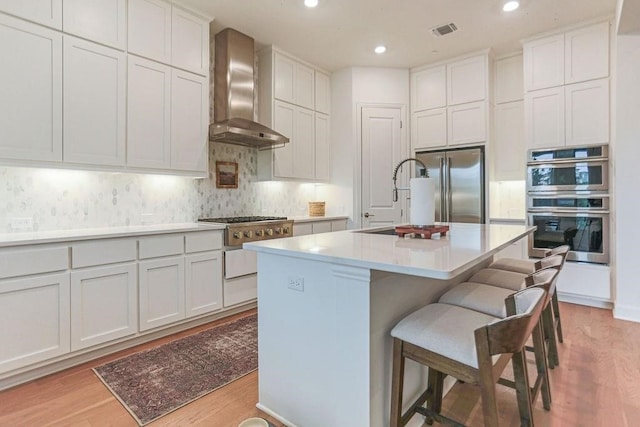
[[423, 172]]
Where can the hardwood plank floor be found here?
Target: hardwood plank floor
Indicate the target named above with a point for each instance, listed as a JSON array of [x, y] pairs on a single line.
[[596, 384]]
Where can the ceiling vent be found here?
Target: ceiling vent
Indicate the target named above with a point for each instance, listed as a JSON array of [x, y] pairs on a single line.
[[444, 30]]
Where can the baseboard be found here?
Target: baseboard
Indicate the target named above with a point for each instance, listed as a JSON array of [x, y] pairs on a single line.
[[275, 415], [627, 312], [584, 300]]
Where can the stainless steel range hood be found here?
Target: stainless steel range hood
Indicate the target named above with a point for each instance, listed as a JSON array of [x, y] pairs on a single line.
[[233, 100]]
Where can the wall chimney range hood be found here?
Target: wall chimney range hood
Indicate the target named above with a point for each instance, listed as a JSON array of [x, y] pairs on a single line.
[[233, 95]]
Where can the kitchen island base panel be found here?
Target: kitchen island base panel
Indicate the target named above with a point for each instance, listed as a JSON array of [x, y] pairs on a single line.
[[325, 350]]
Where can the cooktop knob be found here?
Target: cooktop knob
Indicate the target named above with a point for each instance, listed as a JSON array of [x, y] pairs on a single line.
[[269, 232], [237, 235], [285, 230], [248, 234], [259, 233]]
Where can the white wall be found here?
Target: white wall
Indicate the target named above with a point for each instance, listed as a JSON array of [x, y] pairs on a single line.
[[626, 157]]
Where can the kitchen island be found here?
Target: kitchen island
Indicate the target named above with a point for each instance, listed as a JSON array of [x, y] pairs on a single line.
[[327, 303]]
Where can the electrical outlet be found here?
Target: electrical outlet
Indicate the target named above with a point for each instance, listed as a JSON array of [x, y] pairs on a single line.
[[296, 283], [22, 223]]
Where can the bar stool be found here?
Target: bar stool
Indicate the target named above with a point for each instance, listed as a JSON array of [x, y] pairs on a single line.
[[471, 346], [529, 266], [510, 282]]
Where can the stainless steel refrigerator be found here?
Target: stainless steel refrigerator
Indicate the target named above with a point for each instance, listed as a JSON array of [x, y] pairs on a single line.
[[459, 175]]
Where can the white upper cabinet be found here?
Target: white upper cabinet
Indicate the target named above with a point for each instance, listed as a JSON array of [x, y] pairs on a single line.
[[544, 118], [189, 119], [429, 88], [544, 63], [293, 81], [148, 114], [322, 146], [467, 80], [429, 129], [509, 79], [466, 123], [94, 103], [149, 29], [296, 159], [508, 153], [322, 92], [31, 88], [587, 112], [189, 41], [102, 21], [587, 53], [45, 12]]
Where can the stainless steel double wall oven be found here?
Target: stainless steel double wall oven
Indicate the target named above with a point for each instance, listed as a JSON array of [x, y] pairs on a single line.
[[568, 201]]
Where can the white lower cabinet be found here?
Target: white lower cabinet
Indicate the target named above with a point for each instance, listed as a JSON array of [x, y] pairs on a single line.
[[34, 314], [104, 304], [203, 286], [319, 226], [161, 290]]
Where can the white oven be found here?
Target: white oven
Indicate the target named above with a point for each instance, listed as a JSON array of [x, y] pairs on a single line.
[[240, 278]]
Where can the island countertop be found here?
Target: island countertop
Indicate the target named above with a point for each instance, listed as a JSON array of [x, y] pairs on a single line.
[[443, 257]]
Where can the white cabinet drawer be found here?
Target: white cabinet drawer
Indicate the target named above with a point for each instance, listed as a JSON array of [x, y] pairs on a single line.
[[321, 227], [157, 246], [302, 229], [203, 241], [240, 262], [21, 262], [100, 252]]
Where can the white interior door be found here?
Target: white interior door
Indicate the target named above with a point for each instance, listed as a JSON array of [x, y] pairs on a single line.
[[381, 152]]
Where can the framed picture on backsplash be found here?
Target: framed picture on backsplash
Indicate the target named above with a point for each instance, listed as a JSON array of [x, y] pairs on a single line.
[[226, 175]]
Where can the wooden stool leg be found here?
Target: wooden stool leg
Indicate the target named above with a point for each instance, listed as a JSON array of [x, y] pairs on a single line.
[[521, 379], [541, 366], [436, 387], [550, 336], [556, 315], [397, 383]]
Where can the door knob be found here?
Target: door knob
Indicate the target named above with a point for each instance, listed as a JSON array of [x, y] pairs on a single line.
[[367, 215]]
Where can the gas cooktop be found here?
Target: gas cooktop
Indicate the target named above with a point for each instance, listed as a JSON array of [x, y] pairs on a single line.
[[239, 219]]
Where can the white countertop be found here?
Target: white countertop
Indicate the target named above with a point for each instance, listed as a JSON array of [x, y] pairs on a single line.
[[38, 237], [306, 218], [464, 245]]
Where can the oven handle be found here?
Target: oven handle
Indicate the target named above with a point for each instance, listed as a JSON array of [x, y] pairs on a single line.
[[567, 161], [548, 212]]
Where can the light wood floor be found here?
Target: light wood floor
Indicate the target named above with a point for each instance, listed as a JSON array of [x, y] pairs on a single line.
[[596, 384]]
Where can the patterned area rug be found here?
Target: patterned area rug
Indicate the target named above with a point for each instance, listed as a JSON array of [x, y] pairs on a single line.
[[154, 382]]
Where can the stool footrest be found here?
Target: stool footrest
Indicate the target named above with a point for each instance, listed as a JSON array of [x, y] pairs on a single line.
[[437, 417]]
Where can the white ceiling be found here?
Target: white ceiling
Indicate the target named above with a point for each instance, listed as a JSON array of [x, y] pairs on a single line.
[[343, 33]]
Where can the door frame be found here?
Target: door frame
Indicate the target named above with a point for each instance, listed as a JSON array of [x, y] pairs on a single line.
[[403, 181]]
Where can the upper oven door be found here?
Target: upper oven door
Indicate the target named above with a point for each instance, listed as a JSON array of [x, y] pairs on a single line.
[[568, 175]]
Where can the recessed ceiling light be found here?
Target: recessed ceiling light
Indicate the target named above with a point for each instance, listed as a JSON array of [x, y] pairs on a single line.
[[311, 3], [510, 6], [380, 49]]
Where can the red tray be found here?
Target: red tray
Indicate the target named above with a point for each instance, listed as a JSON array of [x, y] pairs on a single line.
[[425, 231]]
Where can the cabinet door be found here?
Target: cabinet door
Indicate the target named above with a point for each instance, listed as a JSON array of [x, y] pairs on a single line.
[[508, 79], [544, 118], [302, 229], [31, 84], [189, 42], [509, 147], [587, 112], [322, 147], [429, 129], [429, 89], [544, 63], [203, 283], [149, 29], [284, 77], [587, 53], [94, 103], [323, 92], [338, 225], [466, 123], [467, 80], [148, 114], [45, 12], [321, 227], [161, 287], [103, 304], [304, 86], [283, 121], [34, 313], [189, 121], [304, 144], [103, 21]]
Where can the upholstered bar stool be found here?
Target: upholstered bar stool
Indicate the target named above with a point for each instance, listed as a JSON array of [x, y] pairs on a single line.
[[510, 282], [471, 346], [529, 266]]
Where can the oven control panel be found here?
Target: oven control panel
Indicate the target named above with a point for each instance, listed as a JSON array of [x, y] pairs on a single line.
[[237, 234]]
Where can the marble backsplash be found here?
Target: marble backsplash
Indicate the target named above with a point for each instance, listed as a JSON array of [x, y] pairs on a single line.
[[56, 199]]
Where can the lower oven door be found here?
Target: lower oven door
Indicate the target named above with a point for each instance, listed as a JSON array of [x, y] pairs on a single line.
[[587, 234]]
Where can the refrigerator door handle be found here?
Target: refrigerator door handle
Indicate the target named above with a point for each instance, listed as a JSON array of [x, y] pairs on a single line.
[[449, 190], [443, 186]]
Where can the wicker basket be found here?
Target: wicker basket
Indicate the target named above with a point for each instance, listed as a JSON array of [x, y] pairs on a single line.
[[316, 208]]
